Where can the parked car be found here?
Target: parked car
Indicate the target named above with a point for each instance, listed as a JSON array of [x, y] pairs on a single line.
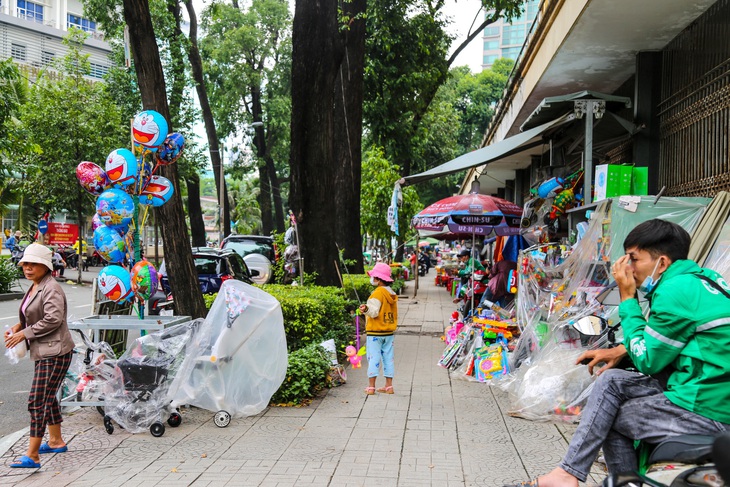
[[258, 251], [213, 266]]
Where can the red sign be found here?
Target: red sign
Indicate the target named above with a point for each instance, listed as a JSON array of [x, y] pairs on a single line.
[[62, 234]]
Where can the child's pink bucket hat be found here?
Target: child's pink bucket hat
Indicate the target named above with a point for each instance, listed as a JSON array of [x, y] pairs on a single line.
[[382, 272]]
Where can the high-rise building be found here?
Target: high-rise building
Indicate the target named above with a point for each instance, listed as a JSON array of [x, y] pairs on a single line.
[[31, 33], [505, 40]]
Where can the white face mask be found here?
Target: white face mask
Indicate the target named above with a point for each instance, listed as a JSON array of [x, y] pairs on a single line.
[[373, 281], [649, 283]]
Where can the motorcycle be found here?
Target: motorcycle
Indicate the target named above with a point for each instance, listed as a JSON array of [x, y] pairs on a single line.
[[160, 304], [17, 253], [680, 461], [423, 265]]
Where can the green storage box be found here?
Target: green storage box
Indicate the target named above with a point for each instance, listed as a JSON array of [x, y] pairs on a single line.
[[640, 181], [612, 180]]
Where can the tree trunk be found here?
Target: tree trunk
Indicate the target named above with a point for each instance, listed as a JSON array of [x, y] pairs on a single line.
[[195, 212], [264, 198], [316, 56], [348, 137], [196, 63], [151, 81], [276, 193]]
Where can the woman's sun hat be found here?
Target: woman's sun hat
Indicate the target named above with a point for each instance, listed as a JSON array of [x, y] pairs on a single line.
[[38, 254], [382, 272]]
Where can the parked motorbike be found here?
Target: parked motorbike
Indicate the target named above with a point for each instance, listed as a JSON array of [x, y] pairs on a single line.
[[17, 253], [423, 264], [160, 303]]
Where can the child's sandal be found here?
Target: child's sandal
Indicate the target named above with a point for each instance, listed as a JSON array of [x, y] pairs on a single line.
[[370, 391], [386, 390]]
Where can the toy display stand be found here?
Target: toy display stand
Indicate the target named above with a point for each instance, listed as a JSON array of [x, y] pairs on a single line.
[[92, 325]]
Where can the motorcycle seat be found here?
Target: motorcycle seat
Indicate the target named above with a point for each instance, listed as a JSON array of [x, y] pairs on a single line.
[[695, 449]]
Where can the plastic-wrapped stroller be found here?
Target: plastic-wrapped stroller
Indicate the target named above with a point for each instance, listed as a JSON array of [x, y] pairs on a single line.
[[138, 398], [238, 359]]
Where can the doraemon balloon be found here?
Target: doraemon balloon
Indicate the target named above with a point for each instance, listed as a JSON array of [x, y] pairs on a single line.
[[171, 149], [149, 129], [109, 244], [115, 283], [121, 167], [92, 178], [157, 192], [115, 208]]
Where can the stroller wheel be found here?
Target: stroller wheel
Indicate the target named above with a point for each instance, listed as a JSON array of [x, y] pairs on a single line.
[[108, 426], [157, 429], [174, 420], [222, 419]]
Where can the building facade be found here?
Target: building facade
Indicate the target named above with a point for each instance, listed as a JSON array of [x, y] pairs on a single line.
[[31, 33], [505, 40]]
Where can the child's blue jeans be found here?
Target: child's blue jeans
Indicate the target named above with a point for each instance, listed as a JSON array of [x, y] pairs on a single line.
[[380, 349]]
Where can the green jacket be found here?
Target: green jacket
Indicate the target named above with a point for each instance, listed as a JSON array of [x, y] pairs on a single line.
[[689, 331], [471, 265]]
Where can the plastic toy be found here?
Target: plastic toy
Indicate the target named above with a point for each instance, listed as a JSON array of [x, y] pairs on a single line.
[[550, 188], [355, 356]]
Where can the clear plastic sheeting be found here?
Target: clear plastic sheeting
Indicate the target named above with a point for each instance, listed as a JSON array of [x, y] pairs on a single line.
[[238, 359], [137, 397], [558, 285], [719, 257]]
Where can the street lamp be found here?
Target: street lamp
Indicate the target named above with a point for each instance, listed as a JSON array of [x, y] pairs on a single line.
[[222, 191]]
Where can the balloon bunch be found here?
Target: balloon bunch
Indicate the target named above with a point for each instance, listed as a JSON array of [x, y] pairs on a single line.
[[127, 180]]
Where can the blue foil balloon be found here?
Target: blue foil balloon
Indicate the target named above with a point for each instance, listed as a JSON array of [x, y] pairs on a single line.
[[171, 149], [109, 244], [157, 192], [121, 167], [115, 208], [116, 283], [149, 129]]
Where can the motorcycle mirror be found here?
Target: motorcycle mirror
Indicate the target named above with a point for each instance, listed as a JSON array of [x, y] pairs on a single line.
[[590, 325]]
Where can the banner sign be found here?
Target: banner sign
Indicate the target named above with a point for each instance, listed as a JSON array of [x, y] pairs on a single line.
[[62, 233]]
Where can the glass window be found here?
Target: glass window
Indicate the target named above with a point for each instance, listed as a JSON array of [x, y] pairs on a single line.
[[533, 6], [30, 11], [491, 45], [511, 53], [47, 57], [81, 23], [513, 35], [98, 70], [489, 59], [18, 52], [491, 31]]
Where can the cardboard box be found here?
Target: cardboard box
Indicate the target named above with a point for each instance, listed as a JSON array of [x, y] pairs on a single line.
[[612, 180], [640, 181]]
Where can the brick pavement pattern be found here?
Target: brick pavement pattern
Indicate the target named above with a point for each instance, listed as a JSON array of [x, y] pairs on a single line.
[[434, 431]]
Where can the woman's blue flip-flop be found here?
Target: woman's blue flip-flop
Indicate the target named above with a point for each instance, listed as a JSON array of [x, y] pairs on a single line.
[[46, 448], [25, 462]]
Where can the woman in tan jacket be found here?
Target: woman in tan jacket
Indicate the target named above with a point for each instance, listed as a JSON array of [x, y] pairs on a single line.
[[43, 324]]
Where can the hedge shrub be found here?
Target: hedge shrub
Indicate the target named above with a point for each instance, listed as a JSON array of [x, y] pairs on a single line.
[[305, 376], [8, 275]]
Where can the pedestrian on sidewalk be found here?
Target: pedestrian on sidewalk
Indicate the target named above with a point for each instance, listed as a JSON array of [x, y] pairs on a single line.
[[43, 324], [381, 311]]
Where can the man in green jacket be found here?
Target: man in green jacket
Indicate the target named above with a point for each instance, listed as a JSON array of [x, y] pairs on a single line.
[[686, 337], [470, 263]]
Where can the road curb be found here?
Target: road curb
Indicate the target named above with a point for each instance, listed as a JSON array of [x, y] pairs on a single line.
[[7, 442], [11, 296]]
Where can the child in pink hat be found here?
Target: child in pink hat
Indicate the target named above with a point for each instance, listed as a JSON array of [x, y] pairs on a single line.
[[381, 311]]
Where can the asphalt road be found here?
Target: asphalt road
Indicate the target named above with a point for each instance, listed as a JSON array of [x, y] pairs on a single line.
[[15, 380]]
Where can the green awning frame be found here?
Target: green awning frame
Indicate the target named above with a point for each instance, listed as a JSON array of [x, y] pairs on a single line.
[[490, 153]]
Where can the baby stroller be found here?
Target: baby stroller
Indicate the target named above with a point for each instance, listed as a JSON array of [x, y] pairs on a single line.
[[137, 397], [238, 359]]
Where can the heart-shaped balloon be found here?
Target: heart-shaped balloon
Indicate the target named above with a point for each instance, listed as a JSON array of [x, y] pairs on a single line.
[[92, 178]]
